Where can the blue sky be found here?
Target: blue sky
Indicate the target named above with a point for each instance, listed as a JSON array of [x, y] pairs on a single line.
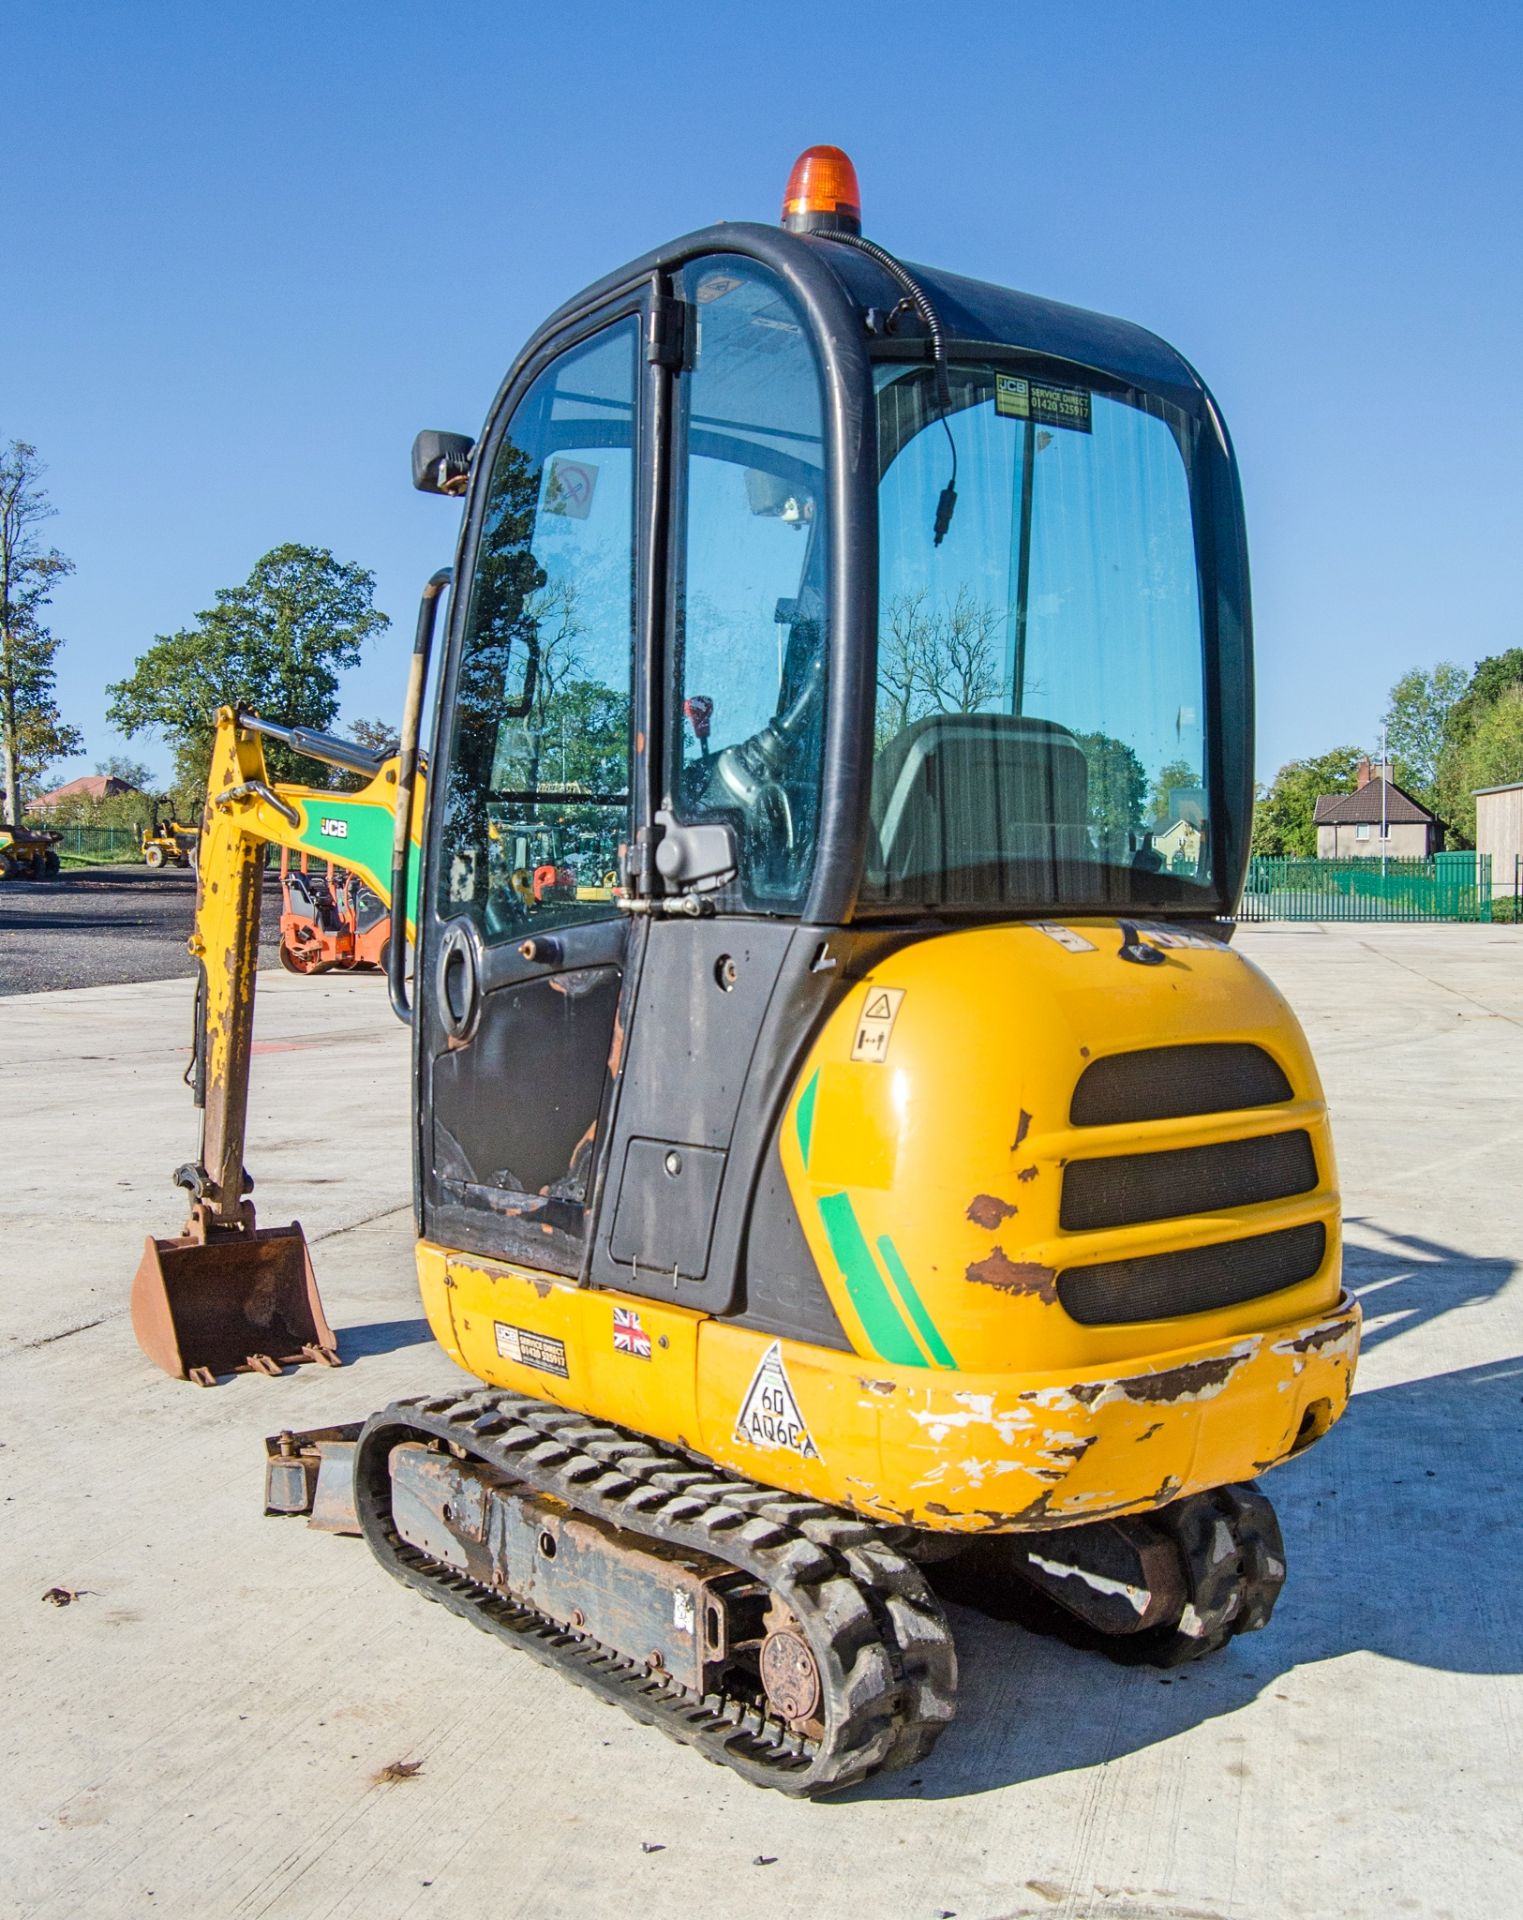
[[250, 251]]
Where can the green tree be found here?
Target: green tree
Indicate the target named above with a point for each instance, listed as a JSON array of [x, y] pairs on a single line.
[[382, 734], [134, 772], [1283, 821], [1172, 776], [1416, 725], [1490, 755], [1458, 775], [1118, 783], [276, 645], [33, 733]]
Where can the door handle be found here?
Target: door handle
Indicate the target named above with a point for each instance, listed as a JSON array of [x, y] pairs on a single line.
[[407, 773], [459, 982]]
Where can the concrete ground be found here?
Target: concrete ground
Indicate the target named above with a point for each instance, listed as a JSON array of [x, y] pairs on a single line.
[[199, 1733]]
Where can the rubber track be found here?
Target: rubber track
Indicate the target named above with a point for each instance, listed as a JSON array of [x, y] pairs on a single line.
[[887, 1663]]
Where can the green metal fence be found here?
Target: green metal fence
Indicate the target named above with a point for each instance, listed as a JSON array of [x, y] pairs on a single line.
[[102, 843], [1450, 886]]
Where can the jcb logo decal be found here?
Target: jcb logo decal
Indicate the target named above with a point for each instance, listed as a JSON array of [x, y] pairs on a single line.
[[334, 829]]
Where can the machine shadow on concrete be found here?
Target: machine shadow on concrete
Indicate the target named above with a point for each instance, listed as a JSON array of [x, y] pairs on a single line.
[[1402, 1535]]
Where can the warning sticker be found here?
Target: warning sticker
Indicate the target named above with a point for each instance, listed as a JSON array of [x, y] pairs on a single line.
[[541, 1351], [1066, 937], [769, 1415], [1177, 937], [569, 488], [875, 1024], [714, 286]]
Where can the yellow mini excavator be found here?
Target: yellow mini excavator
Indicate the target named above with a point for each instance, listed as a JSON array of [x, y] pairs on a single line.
[[889, 1182]]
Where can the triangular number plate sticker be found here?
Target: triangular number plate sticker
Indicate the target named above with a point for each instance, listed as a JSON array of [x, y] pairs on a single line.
[[769, 1415]]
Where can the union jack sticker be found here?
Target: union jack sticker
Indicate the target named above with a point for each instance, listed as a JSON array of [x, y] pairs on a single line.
[[628, 1335]]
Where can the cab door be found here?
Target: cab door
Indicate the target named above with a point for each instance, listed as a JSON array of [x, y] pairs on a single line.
[[523, 942]]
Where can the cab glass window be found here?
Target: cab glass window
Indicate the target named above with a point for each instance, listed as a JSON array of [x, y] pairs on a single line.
[[750, 636], [1041, 735], [536, 806]]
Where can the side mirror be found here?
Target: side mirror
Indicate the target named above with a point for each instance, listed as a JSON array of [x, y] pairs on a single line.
[[441, 462]]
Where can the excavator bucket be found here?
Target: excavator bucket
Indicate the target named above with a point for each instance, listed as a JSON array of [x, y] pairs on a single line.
[[232, 1302]]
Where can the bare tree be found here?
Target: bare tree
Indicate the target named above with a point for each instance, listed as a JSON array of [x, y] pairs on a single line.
[[32, 731], [936, 660]]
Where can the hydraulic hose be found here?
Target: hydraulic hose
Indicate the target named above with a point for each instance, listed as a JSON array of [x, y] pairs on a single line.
[[920, 300]]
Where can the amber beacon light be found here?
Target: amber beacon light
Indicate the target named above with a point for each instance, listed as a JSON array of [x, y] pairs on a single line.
[[822, 195]]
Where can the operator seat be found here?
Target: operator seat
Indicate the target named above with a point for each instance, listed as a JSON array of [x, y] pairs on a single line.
[[969, 807], [309, 898]]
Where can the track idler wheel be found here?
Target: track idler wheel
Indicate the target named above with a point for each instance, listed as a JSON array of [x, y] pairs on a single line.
[[1158, 1589], [1229, 1545]]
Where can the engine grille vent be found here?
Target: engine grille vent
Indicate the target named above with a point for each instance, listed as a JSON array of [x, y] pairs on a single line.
[[1134, 1187], [1164, 1286], [1170, 1083]]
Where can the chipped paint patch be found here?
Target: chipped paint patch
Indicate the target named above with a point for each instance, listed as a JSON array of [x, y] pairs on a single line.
[[1331, 1335], [978, 1410], [1136, 1598], [1021, 1277], [1195, 1380], [987, 1210]]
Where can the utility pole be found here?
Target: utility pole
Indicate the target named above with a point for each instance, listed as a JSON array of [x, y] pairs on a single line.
[[1385, 798]]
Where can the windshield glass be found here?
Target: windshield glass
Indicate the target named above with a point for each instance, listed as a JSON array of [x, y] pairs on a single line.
[[1040, 728]]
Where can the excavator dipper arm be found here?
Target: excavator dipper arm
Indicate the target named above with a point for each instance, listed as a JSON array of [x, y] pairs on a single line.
[[227, 1295]]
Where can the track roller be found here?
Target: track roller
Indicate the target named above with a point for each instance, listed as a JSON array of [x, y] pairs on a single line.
[[782, 1638]]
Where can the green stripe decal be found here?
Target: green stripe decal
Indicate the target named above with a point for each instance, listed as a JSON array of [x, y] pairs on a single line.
[[803, 1118], [935, 1345], [366, 845], [881, 1320]]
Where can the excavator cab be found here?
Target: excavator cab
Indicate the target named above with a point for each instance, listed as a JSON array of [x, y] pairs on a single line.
[[886, 1176]]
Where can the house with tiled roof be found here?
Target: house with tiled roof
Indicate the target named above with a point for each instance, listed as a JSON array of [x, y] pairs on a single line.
[[90, 786], [1377, 818]]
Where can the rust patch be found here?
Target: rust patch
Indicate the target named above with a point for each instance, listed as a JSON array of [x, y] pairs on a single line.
[[1073, 1450], [1088, 1391], [1026, 1173], [1178, 1383], [1318, 1337], [616, 1049], [544, 1288], [1148, 1432], [988, 1210], [997, 1269], [1022, 1128], [876, 1386]]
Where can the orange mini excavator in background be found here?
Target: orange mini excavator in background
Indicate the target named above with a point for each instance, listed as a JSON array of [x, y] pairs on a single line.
[[879, 1175], [330, 920]]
